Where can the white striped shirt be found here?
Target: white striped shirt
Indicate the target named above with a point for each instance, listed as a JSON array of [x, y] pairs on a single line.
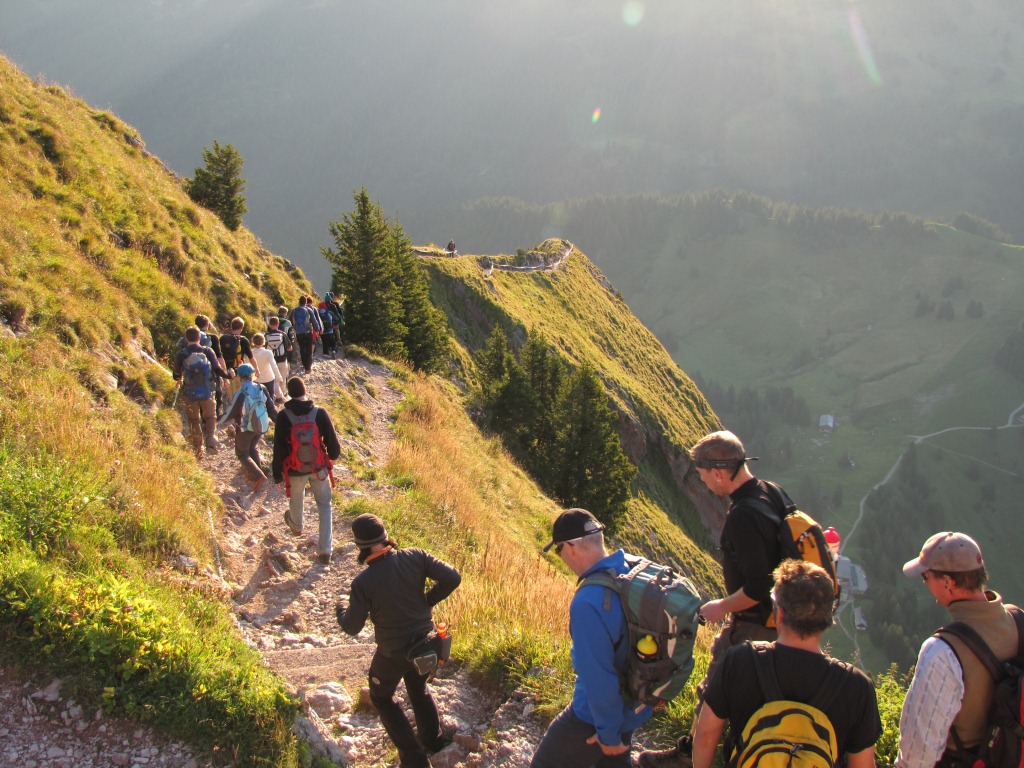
[[933, 702]]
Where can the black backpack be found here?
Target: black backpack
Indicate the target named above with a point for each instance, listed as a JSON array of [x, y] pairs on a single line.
[[1003, 748], [231, 350]]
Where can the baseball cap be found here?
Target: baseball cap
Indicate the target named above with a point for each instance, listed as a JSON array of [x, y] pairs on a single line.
[[245, 370], [573, 524], [948, 551]]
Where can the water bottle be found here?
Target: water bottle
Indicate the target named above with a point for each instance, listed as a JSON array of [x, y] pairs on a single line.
[[646, 648]]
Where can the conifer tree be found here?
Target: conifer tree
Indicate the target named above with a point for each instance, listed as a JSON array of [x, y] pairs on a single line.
[[591, 469], [546, 374], [219, 185], [387, 296]]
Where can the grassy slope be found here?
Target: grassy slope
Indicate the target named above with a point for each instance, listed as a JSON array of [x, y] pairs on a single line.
[[584, 320], [103, 261]]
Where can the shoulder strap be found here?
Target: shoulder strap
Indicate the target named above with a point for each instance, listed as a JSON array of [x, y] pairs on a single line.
[[830, 686], [977, 646], [604, 579], [764, 665]]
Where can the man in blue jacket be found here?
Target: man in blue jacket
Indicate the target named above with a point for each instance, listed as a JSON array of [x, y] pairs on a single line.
[[597, 726]]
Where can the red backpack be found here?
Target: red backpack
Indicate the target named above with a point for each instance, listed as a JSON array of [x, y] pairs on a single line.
[[307, 455]]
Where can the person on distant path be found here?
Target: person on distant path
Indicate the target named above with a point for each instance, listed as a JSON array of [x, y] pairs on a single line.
[[246, 440], [318, 325], [804, 601], [289, 331], [392, 592], [269, 376], [198, 390], [300, 471], [596, 728], [450, 250], [339, 320], [949, 696], [327, 320], [750, 552], [302, 320], [236, 349], [280, 345]]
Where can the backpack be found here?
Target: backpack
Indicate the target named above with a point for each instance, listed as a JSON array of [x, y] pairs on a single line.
[[197, 382], [277, 343], [1006, 712], [800, 536], [784, 733], [254, 408], [327, 318], [307, 455], [231, 350], [302, 321], [660, 607]]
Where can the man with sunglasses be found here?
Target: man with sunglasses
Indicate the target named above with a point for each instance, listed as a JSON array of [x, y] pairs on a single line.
[[750, 553], [948, 700], [597, 726]]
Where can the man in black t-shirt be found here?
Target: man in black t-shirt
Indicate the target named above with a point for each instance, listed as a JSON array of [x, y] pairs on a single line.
[[750, 552], [804, 598]]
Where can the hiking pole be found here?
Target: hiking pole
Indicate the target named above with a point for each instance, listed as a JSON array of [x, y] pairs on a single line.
[[174, 402]]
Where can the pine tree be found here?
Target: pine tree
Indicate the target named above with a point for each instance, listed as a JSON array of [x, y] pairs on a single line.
[[387, 296], [219, 185], [546, 374], [592, 470]]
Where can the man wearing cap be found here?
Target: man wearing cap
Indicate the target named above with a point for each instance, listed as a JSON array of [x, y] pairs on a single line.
[[750, 553], [597, 726], [949, 697], [246, 440], [392, 592]]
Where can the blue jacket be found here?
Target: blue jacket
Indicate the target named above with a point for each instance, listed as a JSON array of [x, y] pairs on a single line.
[[597, 698]]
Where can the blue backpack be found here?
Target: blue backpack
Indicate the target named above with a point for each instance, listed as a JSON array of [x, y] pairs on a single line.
[[197, 382], [327, 318], [303, 322], [254, 408]]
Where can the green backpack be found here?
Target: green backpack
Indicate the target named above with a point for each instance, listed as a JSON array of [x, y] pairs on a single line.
[[662, 613], [784, 733]]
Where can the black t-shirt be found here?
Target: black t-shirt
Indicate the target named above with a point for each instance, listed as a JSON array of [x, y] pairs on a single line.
[[734, 693], [750, 549]]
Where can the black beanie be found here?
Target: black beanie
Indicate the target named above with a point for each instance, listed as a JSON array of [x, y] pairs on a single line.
[[368, 530]]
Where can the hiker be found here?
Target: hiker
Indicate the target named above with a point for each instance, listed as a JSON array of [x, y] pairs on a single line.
[[392, 592], [750, 552], [280, 345], [248, 410], [329, 339], [236, 349], [211, 340], [318, 324], [339, 319], [289, 332], [450, 250], [948, 699], [596, 728], [302, 321], [804, 600], [269, 376], [196, 367], [305, 447]]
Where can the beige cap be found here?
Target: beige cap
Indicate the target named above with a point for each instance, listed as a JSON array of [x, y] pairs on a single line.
[[947, 551]]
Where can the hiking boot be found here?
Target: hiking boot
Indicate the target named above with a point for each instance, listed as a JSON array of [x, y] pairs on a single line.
[[212, 447], [295, 531], [679, 756], [324, 559]]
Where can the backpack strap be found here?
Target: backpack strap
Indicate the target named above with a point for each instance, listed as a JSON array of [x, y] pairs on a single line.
[[768, 678], [609, 580], [764, 665], [976, 645]]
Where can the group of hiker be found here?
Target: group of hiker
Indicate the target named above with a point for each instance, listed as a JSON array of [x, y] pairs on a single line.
[[771, 695], [770, 688]]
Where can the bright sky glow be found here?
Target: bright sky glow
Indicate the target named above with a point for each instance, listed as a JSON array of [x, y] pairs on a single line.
[[633, 13], [596, 116], [863, 47]]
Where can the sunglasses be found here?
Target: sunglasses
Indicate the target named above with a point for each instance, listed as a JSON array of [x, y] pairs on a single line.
[[559, 545]]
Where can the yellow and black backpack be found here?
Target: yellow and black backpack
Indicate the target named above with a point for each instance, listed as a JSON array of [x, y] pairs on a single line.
[[784, 733]]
